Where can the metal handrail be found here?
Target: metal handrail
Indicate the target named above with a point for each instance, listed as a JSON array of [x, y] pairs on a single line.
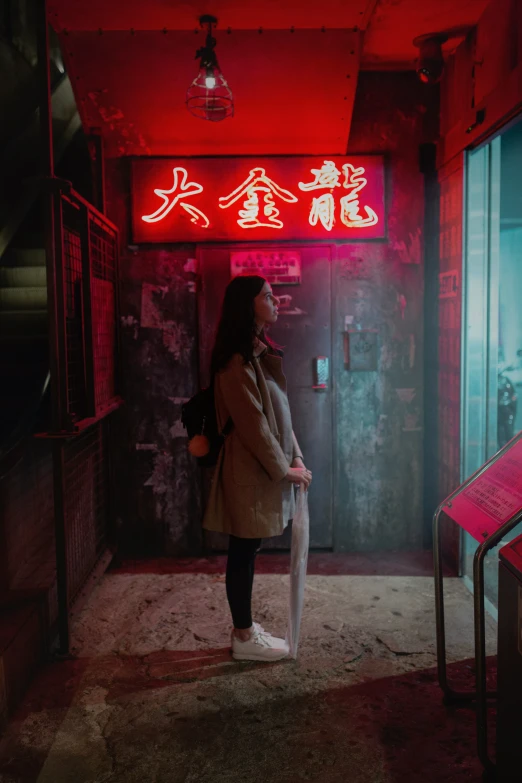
[[73, 196], [481, 694]]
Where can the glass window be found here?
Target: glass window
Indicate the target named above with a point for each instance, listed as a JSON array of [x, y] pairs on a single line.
[[492, 356]]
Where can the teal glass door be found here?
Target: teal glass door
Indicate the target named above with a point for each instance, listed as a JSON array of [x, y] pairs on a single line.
[[492, 314]]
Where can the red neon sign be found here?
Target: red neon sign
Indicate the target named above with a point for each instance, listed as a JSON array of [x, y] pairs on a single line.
[[171, 197], [237, 199], [258, 184]]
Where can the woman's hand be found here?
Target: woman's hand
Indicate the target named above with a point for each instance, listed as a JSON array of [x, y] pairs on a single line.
[[299, 476]]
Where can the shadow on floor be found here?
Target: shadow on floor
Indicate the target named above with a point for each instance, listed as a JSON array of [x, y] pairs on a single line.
[[165, 717]]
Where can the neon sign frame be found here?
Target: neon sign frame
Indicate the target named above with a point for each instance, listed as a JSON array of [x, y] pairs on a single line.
[[316, 198]]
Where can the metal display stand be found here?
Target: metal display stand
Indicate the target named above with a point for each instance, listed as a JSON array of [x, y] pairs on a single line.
[[480, 695]]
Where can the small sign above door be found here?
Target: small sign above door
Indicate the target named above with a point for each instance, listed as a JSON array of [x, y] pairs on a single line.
[[279, 267]]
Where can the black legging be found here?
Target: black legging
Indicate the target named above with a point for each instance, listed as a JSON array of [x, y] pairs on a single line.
[[240, 578]]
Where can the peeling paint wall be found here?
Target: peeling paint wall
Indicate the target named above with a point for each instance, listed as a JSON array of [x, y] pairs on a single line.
[[379, 292], [159, 504]]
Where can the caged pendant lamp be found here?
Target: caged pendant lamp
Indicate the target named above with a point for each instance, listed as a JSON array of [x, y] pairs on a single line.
[[209, 96]]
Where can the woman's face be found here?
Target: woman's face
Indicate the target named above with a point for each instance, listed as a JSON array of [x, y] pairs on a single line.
[[266, 306]]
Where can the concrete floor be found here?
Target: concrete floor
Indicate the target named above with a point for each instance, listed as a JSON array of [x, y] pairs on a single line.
[[152, 694]]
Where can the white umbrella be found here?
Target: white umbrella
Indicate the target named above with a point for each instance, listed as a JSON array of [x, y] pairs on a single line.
[[298, 564]]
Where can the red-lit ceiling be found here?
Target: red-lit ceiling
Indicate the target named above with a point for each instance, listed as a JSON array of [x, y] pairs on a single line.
[[388, 42], [237, 14], [292, 67], [285, 101]]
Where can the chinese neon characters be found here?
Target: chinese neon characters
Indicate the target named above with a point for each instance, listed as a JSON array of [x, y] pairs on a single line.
[[258, 184], [259, 199], [351, 215], [323, 206], [172, 197]]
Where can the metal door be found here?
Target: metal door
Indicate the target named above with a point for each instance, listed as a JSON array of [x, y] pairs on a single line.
[[304, 330]]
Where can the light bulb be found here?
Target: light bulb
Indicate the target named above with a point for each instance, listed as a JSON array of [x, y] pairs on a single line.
[[210, 82]]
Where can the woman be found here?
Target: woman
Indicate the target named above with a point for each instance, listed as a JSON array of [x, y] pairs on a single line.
[[252, 493]]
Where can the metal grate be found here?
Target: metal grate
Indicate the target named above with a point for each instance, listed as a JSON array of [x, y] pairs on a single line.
[[91, 383], [103, 260], [76, 392], [103, 249], [104, 338], [86, 504]]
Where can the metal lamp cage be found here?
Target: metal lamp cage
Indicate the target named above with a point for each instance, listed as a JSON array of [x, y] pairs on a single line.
[[214, 104]]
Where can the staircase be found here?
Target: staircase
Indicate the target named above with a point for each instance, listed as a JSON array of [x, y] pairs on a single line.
[[24, 350], [28, 603], [23, 338]]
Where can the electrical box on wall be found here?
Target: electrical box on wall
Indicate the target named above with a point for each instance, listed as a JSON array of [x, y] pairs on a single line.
[[361, 350]]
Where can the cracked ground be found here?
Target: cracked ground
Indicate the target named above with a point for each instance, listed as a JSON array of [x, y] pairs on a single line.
[[152, 694]]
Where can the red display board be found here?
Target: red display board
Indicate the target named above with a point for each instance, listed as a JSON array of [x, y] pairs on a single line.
[[493, 498], [254, 199]]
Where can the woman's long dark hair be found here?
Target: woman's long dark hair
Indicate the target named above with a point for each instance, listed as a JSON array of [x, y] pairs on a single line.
[[237, 331]]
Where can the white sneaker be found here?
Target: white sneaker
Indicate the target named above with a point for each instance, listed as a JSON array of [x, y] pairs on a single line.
[[261, 646]]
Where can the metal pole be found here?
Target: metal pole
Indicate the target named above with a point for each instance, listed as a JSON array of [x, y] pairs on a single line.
[[450, 696], [480, 638], [439, 604], [51, 217], [44, 86], [61, 547], [480, 657], [52, 227], [87, 330]]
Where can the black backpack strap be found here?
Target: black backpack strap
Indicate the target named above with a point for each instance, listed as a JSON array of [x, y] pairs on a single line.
[[227, 429]]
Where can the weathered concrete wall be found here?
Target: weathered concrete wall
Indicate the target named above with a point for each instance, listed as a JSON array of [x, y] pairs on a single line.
[[379, 288], [158, 484], [378, 497], [160, 357]]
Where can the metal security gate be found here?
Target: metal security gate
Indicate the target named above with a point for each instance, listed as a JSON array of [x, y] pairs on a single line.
[[82, 286], [86, 328]]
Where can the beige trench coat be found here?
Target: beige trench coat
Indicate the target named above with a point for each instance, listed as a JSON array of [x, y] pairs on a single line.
[[250, 496]]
